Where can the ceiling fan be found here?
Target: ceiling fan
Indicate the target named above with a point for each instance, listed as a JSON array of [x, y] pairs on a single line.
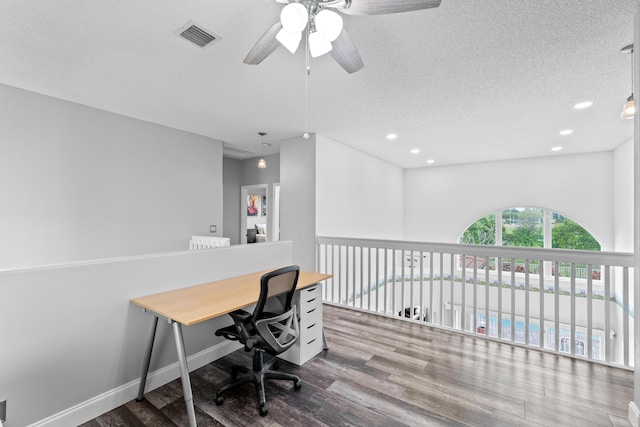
[[323, 27]]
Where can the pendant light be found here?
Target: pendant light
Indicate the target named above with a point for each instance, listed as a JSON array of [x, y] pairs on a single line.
[[629, 109], [262, 164]]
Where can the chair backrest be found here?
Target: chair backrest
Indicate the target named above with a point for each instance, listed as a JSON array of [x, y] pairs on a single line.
[[281, 281], [279, 330]]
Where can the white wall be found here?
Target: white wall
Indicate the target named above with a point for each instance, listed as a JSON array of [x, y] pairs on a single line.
[[80, 183], [72, 342], [623, 197], [441, 202], [357, 195]]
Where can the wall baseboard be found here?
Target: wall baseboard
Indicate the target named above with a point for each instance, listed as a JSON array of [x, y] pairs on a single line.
[[118, 396], [634, 414]]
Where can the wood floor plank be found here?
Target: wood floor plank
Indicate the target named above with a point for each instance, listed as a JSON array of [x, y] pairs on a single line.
[[381, 371]]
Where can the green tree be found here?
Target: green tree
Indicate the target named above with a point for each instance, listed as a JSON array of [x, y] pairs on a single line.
[[528, 231], [481, 232], [530, 217], [570, 235], [529, 236]]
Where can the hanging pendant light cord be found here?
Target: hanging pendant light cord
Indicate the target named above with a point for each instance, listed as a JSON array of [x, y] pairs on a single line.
[[632, 71], [306, 86]]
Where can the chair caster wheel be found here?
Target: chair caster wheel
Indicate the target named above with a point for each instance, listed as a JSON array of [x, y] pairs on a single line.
[[219, 400], [263, 411], [297, 385]]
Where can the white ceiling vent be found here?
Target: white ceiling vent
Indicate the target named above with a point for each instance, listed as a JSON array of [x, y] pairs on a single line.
[[197, 35]]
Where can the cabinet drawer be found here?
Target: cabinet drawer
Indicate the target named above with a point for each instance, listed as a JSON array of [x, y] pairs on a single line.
[[310, 297], [308, 318], [311, 346]]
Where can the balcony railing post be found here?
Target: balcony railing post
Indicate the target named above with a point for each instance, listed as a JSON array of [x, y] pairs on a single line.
[[578, 272]]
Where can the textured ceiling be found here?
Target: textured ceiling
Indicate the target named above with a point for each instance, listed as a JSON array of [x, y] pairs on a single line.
[[468, 81]]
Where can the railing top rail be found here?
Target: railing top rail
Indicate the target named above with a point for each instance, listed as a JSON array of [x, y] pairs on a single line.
[[623, 259]]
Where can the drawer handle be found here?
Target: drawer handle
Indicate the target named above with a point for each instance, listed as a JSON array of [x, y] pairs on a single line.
[[311, 311], [309, 327], [311, 289], [312, 341], [312, 300]]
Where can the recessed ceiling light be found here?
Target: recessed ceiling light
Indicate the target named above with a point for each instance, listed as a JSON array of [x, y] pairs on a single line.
[[392, 136], [415, 151], [558, 148], [566, 132], [583, 105], [430, 161]]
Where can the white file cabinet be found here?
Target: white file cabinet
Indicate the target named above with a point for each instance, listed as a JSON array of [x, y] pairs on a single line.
[[308, 302]]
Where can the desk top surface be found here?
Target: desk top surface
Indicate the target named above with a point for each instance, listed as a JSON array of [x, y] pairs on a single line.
[[195, 304]]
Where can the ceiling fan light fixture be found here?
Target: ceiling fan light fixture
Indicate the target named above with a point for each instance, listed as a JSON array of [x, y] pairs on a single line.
[[291, 41], [329, 24], [629, 109], [294, 17], [318, 45]]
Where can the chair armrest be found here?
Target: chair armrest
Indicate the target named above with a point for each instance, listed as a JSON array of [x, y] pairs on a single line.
[[240, 316], [237, 331]]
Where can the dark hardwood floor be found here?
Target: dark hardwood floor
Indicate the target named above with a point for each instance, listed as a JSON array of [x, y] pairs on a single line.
[[384, 372]]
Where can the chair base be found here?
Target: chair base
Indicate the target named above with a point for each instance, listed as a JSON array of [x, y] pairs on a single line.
[[261, 372]]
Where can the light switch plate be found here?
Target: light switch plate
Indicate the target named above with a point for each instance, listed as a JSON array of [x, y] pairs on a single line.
[[212, 229]]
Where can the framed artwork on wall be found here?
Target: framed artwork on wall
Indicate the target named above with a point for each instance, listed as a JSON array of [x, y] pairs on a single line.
[[264, 205], [252, 204]]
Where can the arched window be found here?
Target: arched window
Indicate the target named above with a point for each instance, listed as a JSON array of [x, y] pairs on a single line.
[[534, 227], [529, 227]]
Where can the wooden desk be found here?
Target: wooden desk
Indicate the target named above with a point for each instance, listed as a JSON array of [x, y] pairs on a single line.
[[194, 304]]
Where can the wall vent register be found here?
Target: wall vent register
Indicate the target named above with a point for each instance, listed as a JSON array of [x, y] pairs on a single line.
[[197, 35]]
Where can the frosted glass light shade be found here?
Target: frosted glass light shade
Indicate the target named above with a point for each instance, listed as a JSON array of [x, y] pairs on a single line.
[[318, 45], [329, 24], [294, 17], [262, 164], [289, 40], [629, 109]]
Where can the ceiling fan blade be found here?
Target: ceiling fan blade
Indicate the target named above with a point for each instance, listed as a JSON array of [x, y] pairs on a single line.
[[383, 7], [346, 54], [264, 46]]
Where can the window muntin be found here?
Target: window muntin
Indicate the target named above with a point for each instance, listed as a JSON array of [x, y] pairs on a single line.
[[525, 227]]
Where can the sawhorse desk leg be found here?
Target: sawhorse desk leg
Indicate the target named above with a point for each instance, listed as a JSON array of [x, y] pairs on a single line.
[[147, 360], [184, 369], [325, 344]]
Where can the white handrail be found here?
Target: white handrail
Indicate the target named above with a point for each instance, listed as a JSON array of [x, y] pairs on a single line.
[[508, 294]]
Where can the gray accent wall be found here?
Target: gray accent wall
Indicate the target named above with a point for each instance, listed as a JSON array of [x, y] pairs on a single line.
[[79, 183], [298, 198], [238, 173]]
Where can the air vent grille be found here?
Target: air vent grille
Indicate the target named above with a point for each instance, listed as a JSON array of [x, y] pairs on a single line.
[[197, 35]]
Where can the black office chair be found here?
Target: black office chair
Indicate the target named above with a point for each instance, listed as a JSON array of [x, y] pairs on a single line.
[[264, 332]]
